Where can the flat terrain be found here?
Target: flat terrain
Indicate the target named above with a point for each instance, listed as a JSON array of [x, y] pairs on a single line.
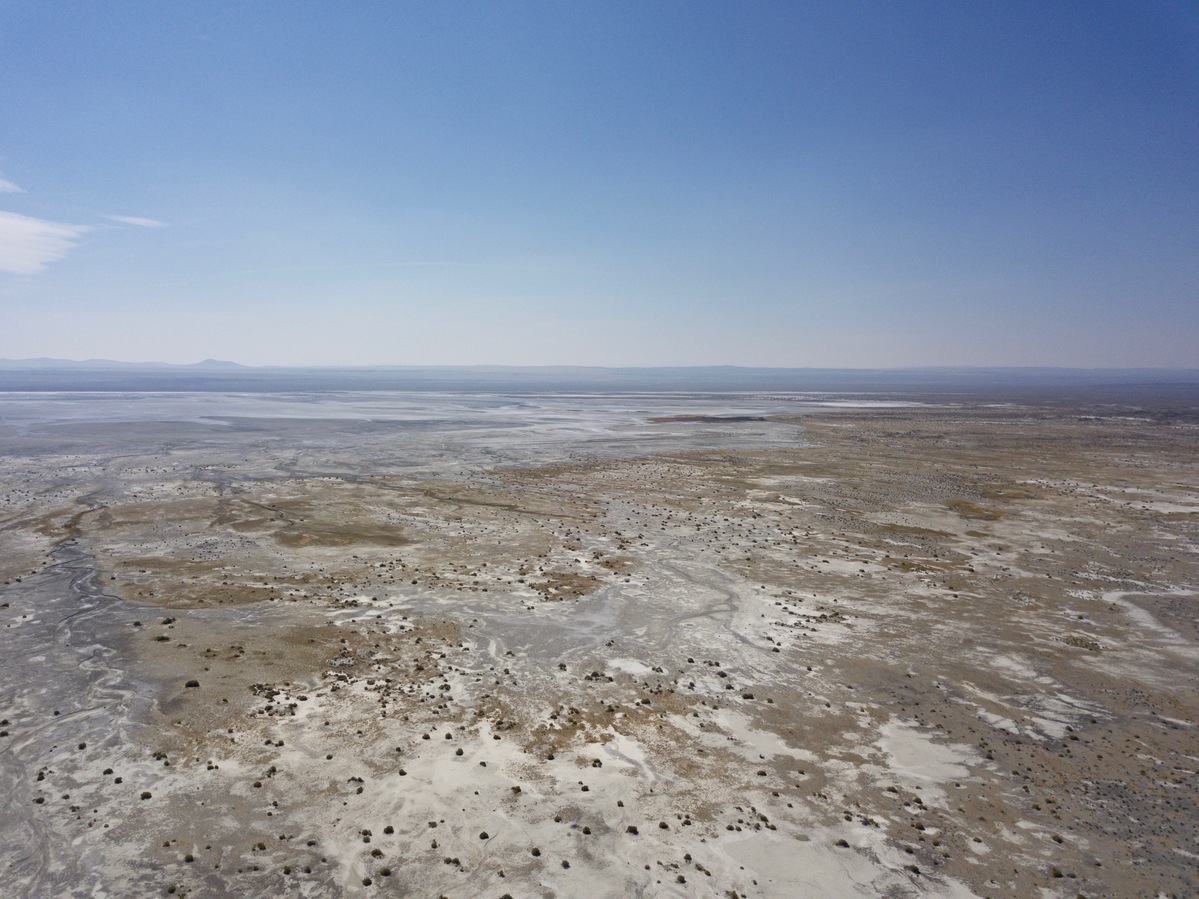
[[442, 645]]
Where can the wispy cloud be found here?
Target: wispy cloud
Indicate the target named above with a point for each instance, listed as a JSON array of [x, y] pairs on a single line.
[[7, 187], [136, 220], [28, 245]]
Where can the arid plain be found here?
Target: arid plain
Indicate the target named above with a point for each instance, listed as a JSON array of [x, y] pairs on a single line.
[[597, 646]]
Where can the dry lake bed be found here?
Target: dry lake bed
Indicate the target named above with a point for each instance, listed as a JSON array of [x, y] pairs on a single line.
[[470, 645]]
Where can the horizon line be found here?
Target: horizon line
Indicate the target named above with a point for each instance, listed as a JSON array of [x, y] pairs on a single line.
[[212, 364]]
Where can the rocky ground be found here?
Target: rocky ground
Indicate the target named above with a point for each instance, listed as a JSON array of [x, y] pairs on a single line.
[[672, 649]]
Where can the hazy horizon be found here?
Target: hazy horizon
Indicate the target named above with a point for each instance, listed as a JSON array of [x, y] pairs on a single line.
[[1156, 388], [49, 362]]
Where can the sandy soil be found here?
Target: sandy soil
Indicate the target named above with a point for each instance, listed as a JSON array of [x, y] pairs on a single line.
[[670, 647]]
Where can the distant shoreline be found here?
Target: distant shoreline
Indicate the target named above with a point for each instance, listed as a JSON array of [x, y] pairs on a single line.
[[1022, 384]]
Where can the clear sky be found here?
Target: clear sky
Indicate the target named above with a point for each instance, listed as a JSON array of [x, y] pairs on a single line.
[[644, 183]]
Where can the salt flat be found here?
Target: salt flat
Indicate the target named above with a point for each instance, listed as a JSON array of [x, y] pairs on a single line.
[[454, 644]]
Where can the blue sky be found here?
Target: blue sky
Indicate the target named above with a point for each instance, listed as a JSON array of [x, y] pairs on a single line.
[[785, 184]]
